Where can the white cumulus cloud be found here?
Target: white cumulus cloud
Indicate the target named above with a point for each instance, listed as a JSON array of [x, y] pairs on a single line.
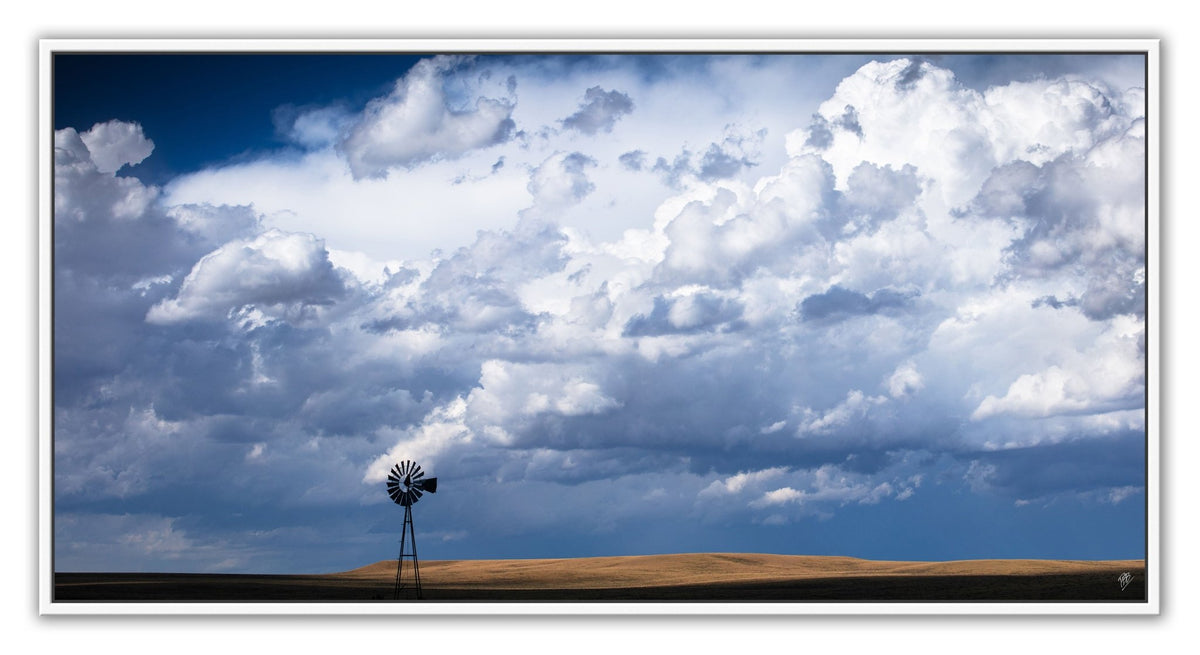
[[115, 144], [417, 122], [274, 272]]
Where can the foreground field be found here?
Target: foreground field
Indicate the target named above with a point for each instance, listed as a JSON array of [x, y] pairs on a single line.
[[674, 578]]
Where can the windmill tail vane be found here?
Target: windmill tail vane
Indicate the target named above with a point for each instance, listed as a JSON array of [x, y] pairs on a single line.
[[406, 483]]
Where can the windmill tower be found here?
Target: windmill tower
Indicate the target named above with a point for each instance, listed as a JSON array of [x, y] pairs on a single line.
[[405, 484]]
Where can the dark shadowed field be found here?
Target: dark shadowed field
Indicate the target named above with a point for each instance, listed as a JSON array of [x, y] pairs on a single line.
[[672, 578]]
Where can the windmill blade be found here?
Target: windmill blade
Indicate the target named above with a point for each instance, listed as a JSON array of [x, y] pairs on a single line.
[[416, 472]]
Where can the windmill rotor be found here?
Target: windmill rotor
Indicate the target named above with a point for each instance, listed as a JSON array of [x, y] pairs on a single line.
[[406, 483]]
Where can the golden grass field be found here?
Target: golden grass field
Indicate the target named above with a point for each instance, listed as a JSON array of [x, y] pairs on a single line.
[[723, 577]]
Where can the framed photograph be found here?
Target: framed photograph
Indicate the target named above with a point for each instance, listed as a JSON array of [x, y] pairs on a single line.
[[635, 326]]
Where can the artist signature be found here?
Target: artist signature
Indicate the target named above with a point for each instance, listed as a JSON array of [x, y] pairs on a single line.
[[1124, 579]]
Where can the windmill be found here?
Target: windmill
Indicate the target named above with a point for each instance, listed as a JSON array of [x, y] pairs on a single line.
[[405, 485]]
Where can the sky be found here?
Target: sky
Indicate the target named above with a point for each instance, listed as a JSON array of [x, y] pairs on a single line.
[[875, 305]]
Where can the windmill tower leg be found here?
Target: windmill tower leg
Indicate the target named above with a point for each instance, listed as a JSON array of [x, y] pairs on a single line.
[[412, 535], [400, 558]]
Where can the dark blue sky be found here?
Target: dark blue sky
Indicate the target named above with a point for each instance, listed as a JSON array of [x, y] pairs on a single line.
[[209, 108], [881, 306]]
